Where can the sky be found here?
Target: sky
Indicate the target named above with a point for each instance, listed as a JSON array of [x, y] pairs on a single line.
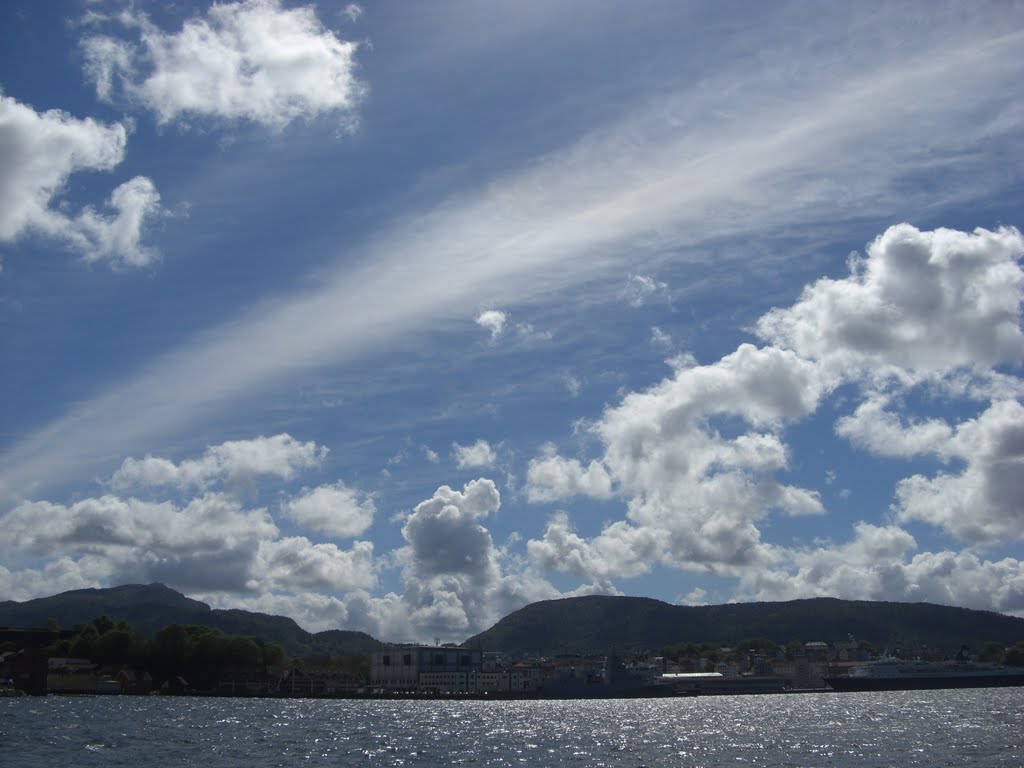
[[397, 317]]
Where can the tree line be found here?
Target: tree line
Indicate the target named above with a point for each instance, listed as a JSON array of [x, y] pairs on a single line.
[[195, 653]]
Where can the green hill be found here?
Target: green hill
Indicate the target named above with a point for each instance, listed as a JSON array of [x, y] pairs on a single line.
[[594, 623], [151, 607], [572, 625]]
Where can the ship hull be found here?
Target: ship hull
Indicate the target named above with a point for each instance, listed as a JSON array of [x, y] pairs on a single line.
[[924, 682]]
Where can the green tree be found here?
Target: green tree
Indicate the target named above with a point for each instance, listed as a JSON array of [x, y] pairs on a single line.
[[1015, 656], [170, 651], [114, 647], [992, 653], [274, 655], [243, 651], [83, 644], [208, 655], [794, 648]]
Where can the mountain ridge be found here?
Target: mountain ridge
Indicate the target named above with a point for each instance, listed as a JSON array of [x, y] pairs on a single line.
[[583, 624], [592, 623], [149, 608]]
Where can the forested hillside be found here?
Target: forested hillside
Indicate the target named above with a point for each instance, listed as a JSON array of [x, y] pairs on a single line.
[[594, 623], [149, 608]]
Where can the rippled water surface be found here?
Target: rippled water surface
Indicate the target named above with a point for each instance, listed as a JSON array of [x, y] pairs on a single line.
[[926, 728]]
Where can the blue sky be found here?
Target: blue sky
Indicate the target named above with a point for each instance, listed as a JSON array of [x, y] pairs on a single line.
[[400, 316]]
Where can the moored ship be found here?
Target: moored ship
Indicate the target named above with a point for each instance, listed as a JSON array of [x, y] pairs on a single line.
[[900, 675]]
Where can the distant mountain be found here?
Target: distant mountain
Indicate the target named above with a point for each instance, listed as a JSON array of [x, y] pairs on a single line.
[[571, 625], [151, 607], [594, 623]]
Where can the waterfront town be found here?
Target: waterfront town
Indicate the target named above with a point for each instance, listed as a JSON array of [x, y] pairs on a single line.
[[449, 670]]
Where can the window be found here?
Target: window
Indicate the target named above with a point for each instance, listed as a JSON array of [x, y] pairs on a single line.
[[386, 661], [407, 660]]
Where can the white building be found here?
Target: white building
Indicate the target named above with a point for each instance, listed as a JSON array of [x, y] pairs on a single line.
[[426, 668]]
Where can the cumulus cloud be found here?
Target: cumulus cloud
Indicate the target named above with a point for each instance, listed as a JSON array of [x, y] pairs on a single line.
[[456, 581], [479, 454], [684, 476], [696, 456], [209, 542], [336, 510], [444, 533], [38, 154], [620, 551], [314, 611], [694, 494], [235, 462], [984, 503], [553, 478], [920, 303], [55, 576], [883, 433], [252, 60], [297, 564], [212, 544], [876, 565], [493, 321]]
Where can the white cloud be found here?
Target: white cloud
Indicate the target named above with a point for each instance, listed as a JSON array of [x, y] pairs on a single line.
[[444, 533], [921, 303], [695, 596], [527, 335], [694, 496], [209, 545], [54, 577], [661, 178], [553, 478], [38, 154], [875, 565], [234, 462], [210, 542], [353, 11], [296, 564], [313, 611], [431, 455], [660, 338], [454, 578], [497, 324], [332, 509], [620, 551], [117, 238], [479, 454], [985, 502], [252, 60], [881, 432], [493, 321], [642, 288]]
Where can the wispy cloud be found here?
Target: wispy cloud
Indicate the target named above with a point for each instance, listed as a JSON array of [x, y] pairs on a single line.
[[616, 197]]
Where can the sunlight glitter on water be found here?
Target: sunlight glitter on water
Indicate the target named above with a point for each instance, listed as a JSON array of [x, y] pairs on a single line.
[[949, 728]]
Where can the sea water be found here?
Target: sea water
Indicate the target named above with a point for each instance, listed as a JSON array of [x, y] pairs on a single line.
[[904, 728]]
